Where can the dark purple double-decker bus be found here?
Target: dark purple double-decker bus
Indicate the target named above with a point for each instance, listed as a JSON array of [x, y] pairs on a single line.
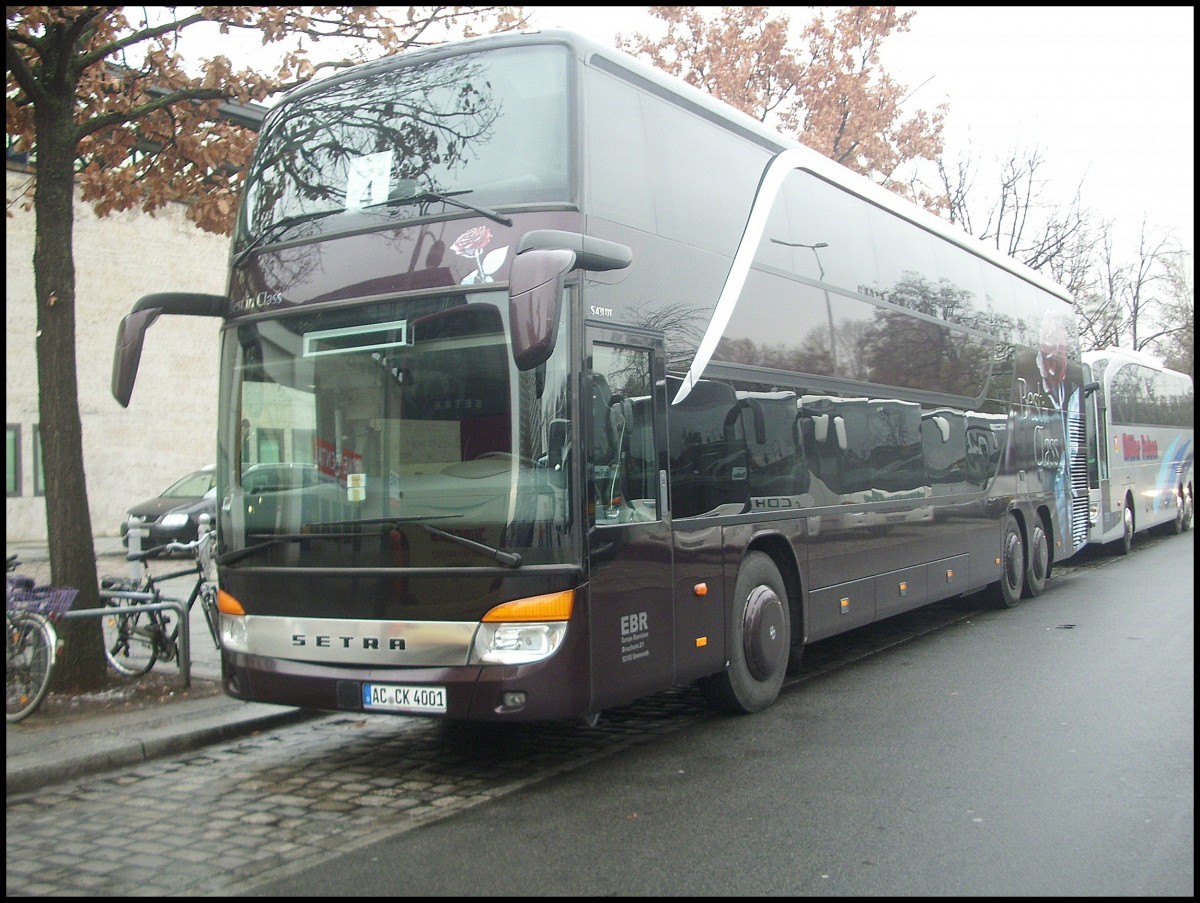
[[548, 382]]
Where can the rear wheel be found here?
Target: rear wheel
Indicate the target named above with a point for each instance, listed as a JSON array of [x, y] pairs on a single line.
[[1038, 569], [130, 639], [1006, 592], [1175, 526], [759, 641], [30, 658], [1124, 545]]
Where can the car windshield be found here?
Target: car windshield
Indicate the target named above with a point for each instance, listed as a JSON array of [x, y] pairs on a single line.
[[193, 486]]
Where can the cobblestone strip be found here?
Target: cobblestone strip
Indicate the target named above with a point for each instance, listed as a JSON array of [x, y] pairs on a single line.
[[217, 821]]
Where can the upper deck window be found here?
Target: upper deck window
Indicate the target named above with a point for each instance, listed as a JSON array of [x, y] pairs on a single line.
[[486, 128]]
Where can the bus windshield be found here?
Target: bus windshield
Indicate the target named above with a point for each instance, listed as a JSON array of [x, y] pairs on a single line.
[[485, 129], [386, 433]]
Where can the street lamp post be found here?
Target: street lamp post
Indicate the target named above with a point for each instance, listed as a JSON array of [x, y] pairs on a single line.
[[828, 301]]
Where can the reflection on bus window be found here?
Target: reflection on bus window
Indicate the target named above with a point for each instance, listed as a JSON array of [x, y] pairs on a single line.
[[622, 474]]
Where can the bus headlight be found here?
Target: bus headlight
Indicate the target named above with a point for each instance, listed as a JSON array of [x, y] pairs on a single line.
[[523, 630], [516, 644]]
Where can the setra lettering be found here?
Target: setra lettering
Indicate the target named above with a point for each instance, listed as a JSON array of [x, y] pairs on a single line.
[[326, 641]]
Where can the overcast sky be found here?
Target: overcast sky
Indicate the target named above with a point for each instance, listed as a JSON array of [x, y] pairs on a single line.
[[1106, 94]]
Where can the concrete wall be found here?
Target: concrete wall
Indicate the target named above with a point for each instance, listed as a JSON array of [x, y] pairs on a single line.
[[169, 427]]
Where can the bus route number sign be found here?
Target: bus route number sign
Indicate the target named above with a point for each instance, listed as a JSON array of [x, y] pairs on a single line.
[[404, 698]]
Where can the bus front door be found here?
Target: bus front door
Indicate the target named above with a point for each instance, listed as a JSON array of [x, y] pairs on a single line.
[[629, 536]]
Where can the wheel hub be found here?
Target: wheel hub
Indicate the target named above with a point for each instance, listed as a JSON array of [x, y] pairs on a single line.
[[762, 633]]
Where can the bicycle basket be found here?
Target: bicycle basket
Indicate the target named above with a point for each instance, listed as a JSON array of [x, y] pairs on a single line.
[[46, 600]]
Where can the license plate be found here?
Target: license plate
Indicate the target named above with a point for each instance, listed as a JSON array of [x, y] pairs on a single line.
[[405, 698]]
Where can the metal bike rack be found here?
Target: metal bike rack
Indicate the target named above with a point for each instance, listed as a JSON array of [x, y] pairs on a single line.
[[145, 603]]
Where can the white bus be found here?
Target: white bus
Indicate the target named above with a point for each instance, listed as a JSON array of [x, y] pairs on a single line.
[[1140, 441]]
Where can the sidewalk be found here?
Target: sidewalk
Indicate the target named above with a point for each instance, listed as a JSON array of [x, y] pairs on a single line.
[[45, 749], [55, 744]]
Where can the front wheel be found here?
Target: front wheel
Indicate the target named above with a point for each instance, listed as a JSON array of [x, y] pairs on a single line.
[[130, 639], [1038, 569], [759, 641], [1006, 592], [30, 648]]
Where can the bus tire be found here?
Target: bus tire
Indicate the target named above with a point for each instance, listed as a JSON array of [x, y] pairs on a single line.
[[1038, 567], [1175, 526], [1006, 592], [759, 641], [1124, 545], [1188, 508]]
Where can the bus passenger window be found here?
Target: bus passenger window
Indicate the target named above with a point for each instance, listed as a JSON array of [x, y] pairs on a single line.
[[622, 474]]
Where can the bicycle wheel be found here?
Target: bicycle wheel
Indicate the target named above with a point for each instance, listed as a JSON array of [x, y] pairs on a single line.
[[30, 659], [131, 639]]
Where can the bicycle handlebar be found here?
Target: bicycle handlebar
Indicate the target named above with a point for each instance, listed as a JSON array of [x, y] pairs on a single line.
[[173, 546]]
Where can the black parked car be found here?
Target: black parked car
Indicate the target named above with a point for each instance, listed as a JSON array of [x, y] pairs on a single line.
[[174, 515]]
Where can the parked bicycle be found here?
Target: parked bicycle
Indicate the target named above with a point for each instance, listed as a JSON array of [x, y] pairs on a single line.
[[134, 639], [32, 646]]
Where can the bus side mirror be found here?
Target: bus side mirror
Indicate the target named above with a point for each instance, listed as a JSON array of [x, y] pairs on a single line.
[[131, 335], [131, 332], [1089, 388], [535, 288], [535, 303]]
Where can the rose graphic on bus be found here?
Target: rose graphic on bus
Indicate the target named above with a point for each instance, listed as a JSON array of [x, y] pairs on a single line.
[[471, 244]]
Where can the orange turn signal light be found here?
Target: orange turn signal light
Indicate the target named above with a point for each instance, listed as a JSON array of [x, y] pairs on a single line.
[[228, 605], [550, 607]]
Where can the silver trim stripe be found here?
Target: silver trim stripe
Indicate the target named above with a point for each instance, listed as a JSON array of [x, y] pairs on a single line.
[[363, 643]]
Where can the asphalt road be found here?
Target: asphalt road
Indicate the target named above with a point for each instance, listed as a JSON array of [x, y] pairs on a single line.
[[1046, 750], [953, 750]]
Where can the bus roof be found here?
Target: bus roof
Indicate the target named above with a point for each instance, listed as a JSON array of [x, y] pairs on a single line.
[[1129, 355]]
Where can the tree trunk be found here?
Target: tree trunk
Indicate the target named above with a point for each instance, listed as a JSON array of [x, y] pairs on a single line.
[[68, 517]]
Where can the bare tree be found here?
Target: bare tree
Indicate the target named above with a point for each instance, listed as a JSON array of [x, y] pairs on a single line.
[[1177, 313], [1017, 218], [102, 99], [1145, 304], [1098, 313]]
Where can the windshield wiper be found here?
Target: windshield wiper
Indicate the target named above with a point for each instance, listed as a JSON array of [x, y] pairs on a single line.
[[313, 531], [276, 229], [508, 559], [424, 197], [316, 531]]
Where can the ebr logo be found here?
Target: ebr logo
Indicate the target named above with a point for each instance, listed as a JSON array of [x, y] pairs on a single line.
[[635, 623]]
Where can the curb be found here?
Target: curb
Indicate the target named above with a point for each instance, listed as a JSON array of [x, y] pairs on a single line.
[[124, 751]]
